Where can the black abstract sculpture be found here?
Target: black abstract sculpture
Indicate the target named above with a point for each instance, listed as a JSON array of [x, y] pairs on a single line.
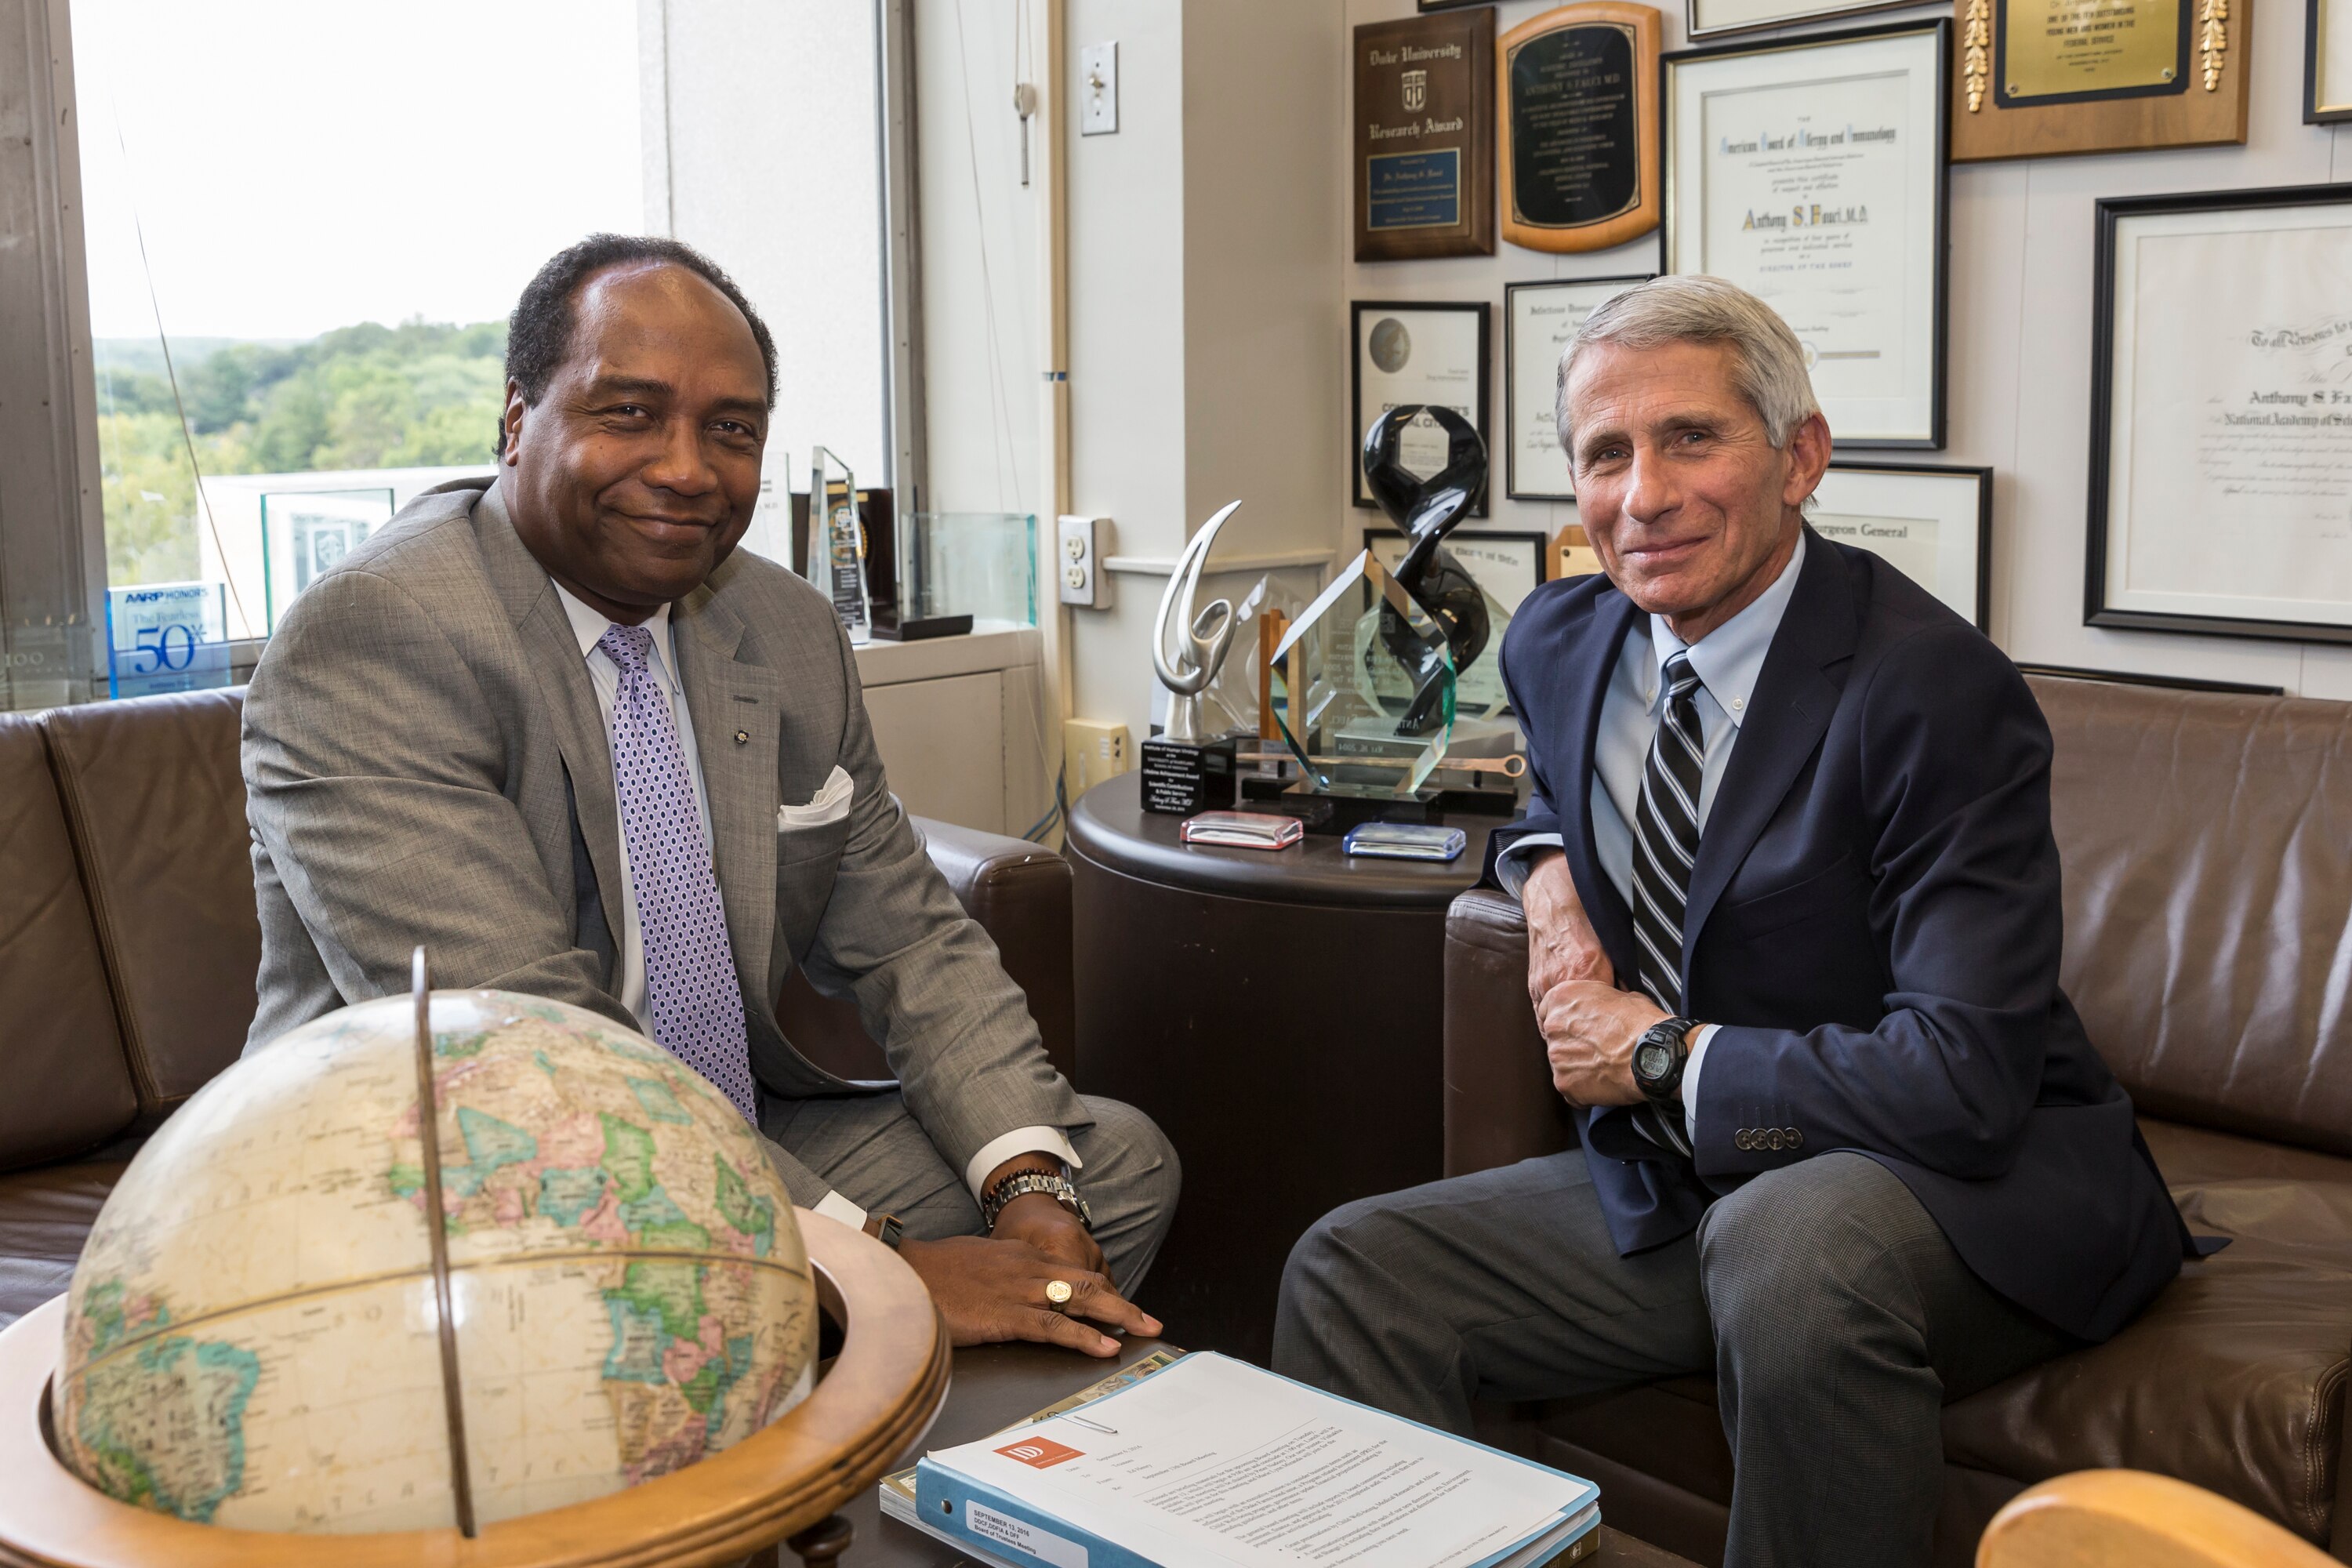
[[1426, 508]]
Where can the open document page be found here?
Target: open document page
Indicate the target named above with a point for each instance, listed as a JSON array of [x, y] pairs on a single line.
[[1213, 1463]]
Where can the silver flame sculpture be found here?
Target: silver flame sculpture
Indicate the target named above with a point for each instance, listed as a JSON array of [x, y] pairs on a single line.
[[1203, 638]]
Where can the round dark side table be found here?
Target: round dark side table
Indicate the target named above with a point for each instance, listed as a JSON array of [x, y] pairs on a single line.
[[1280, 1015]]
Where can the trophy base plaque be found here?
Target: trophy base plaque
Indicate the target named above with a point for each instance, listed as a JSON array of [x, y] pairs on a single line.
[[1182, 777]]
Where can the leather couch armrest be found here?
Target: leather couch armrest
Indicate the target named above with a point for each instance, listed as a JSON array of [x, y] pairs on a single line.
[[1500, 1106], [1020, 894]]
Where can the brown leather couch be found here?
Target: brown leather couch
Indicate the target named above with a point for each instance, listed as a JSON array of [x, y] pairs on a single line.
[[2206, 841], [129, 945]]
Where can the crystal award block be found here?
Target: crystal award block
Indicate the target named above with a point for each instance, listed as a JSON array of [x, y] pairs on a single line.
[[1362, 686]]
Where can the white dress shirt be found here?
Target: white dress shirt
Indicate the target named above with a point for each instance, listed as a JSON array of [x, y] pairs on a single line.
[[1727, 661], [590, 625]]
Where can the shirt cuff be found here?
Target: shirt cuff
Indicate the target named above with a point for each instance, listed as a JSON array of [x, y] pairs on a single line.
[[1020, 1140], [1698, 1043], [1510, 866], [833, 1206]]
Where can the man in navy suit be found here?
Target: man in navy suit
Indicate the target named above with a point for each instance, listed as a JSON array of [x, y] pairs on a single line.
[[1793, 916]]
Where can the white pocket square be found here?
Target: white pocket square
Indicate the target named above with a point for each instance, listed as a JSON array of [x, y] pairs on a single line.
[[830, 804]]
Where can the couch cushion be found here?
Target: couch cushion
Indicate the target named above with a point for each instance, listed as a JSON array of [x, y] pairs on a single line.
[[68, 1088], [2207, 840], [44, 1216], [152, 789], [2235, 1378]]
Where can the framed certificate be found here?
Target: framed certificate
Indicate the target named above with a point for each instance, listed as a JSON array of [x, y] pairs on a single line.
[[1416, 354], [2044, 76], [1811, 173], [2326, 62], [1541, 319], [1506, 567], [2222, 414], [1932, 523]]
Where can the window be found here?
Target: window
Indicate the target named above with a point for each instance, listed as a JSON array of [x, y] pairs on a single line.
[[304, 228]]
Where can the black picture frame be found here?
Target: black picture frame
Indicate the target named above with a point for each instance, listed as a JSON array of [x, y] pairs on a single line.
[[1980, 594], [1511, 292], [1484, 374], [2315, 29], [1425, 6], [1933, 441], [2110, 212]]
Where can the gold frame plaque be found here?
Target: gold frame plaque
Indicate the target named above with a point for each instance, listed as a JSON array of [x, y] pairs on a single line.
[[1588, 138], [2042, 77]]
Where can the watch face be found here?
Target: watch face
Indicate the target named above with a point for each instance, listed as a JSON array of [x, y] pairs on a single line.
[[1651, 1062]]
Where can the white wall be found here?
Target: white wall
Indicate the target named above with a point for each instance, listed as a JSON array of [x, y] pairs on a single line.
[[761, 150]]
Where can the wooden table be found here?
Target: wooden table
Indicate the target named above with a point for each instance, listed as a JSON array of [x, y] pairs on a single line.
[[997, 1385], [1281, 1015]]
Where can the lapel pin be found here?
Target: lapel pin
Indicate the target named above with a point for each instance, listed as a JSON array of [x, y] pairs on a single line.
[[742, 737]]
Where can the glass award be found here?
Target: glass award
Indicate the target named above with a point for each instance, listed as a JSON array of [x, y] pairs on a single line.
[[1367, 683], [838, 545], [1362, 686]]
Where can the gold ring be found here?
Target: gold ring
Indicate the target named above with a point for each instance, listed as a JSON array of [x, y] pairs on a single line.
[[1058, 1292]]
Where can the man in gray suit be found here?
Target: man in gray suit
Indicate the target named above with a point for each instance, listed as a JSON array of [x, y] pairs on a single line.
[[555, 727]]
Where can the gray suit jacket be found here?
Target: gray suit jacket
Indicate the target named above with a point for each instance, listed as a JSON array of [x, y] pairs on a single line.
[[426, 762]]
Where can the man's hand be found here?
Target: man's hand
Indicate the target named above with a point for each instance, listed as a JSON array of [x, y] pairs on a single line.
[[990, 1289], [1590, 1030], [1040, 1220], [1561, 945]]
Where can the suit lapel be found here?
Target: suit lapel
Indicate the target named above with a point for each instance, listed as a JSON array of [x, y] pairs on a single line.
[[1589, 652], [1786, 718], [727, 699], [553, 651]]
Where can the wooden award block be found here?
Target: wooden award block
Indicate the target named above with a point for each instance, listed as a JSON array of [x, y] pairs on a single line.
[[1579, 164], [1424, 140], [2042, 78]]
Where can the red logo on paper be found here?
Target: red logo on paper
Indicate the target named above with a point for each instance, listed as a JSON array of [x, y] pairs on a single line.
[[1042, 1452]]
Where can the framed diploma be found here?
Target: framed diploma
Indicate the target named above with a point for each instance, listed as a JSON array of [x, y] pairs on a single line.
[[2044, 76], [1541, 319], [1933, 524], [1425, 136], [1416, 354], [1580, 153], [1811, 171], [2222, 414], [2326, 62]]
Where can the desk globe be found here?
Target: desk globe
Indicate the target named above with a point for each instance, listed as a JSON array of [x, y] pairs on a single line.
[[253, 1339]]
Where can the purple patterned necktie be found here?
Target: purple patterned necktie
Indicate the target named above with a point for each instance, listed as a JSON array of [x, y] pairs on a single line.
[[691, 989]]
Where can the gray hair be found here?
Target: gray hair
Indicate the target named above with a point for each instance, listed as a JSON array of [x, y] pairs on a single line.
[[1768, 363]]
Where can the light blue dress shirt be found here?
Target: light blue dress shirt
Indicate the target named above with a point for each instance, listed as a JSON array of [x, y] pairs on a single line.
[[1727, 661]]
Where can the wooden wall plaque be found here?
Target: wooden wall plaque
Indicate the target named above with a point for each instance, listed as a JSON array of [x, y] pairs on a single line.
[[1578, 162], [1424, 141], [2042, 78]]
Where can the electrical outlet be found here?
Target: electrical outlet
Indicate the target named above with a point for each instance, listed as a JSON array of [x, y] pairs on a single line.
[[1099, 89], [1083, 544], [1092, 751]]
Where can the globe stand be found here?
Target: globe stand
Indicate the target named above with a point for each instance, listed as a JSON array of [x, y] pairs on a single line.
[[781, 1483]]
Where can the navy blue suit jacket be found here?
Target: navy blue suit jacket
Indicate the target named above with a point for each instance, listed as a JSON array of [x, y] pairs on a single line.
[[1874, 920]]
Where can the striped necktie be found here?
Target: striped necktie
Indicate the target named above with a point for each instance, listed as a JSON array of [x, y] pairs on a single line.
[[1666, 840], [691, 988]]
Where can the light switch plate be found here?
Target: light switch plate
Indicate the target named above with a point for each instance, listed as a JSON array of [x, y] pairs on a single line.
[[1099, 89], [1083, 543]]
